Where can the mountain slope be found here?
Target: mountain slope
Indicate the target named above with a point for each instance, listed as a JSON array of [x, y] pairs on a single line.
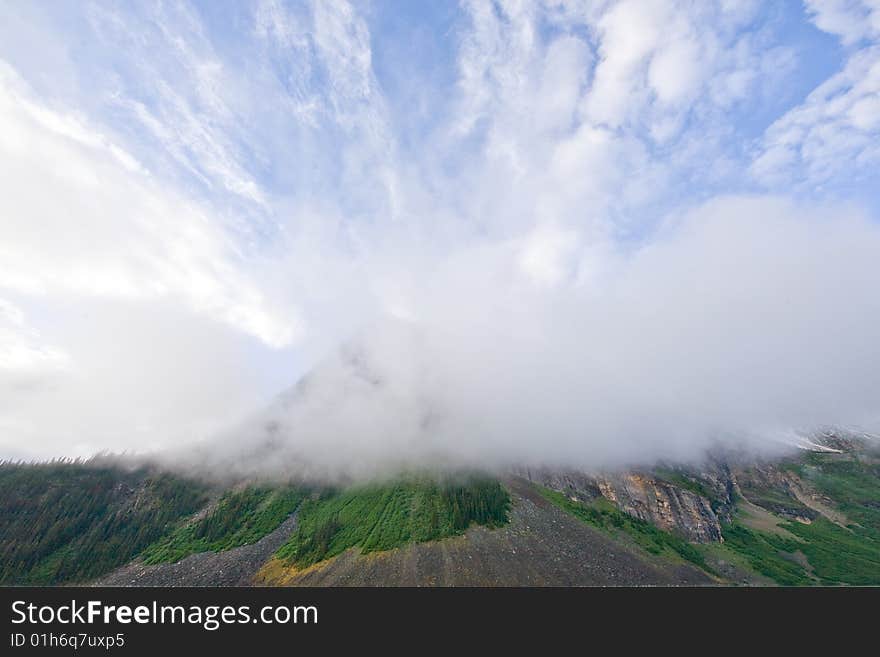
[[541, 546], [64, 522], [810, 518]]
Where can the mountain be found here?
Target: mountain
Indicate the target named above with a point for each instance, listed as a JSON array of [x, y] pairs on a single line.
[[812, 517]]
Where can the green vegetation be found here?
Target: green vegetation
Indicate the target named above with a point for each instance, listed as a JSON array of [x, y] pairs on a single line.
[[382, 517], [732, 565], [769, 554], [603, 514], [63, 521], [853, 484], [838, 555], [73, 521], [829, 553], [239, 518]]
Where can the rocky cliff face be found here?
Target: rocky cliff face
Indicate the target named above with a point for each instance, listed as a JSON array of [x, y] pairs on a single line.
[[694, 500], [775, 489], [665, 505], [642, 495], [718, 484]]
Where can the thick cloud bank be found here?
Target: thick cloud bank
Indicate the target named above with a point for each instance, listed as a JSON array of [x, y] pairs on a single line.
[[745, 322]]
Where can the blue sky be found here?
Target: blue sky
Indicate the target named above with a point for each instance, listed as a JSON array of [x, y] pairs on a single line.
[[200, 200]]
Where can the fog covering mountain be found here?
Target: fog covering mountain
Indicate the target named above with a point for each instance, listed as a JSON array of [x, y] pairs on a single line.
[[749, 325], [807, 518]]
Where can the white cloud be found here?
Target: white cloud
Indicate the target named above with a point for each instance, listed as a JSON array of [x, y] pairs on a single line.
[[566, 120], [656, 57], [547, 254], [675, 72], [851, 20], [744, 320], [174, 86], [136, 294], [23, 355], [834, 134], [564, 74], [107, 230]]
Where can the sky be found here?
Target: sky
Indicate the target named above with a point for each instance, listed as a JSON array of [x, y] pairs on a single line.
[[525, 230]]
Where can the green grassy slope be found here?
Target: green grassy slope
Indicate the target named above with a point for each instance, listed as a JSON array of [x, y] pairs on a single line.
[[794, 553], [381, 517], [821, 552]]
